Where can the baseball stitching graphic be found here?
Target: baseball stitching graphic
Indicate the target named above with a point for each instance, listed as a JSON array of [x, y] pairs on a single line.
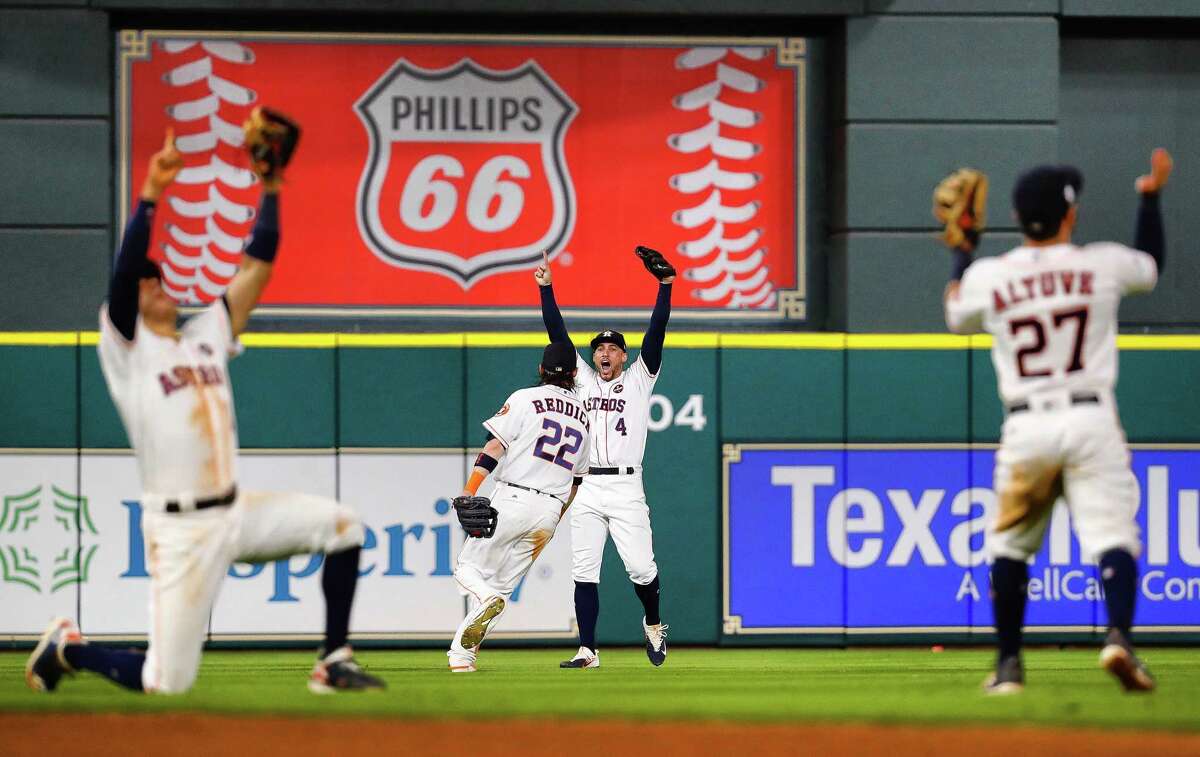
[[724, 258], [207, 216]]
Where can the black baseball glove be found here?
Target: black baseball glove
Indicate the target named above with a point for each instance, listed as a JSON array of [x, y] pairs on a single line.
[[271, 139], [655, 263], [477, 516]]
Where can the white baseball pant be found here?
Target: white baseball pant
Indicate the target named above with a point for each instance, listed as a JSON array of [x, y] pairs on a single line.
[[188, 554], [491, 568], [613, 505], [1101, 492]]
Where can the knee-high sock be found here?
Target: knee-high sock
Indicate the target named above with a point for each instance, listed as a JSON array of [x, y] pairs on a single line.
[[587, 610], [1119, 573], [1010, 581], [122, 666], [338, 581], [649, 596]]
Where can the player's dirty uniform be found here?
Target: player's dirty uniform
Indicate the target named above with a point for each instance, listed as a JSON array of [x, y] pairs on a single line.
[[1052, 312], [174, 398], [1051, 308], [547, 437]]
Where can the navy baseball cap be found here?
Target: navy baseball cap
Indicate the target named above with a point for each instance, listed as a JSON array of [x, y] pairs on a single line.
[[558, 358], [609, 337], [1042, 197]]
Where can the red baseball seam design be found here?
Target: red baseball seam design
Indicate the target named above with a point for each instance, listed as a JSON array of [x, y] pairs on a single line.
[[211, 204], [726, 260]]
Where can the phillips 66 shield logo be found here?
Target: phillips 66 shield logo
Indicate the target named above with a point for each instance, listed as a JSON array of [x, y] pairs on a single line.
[[465, 175]]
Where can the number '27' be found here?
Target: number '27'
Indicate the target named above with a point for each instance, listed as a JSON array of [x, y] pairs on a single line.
[[1035, 347], [566, 436]]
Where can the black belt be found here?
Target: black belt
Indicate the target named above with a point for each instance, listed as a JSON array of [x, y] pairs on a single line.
[[1081, 398], [531, 489], [610, 471], [203, 504]]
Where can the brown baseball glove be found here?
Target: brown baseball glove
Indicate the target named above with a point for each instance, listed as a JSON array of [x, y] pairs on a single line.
[[960, 205]]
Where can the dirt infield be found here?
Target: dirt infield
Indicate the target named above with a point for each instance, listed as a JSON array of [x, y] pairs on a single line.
[[207, 736]]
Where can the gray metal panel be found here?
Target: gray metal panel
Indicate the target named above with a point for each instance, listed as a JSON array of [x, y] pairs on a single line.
[[952, 69], [891, 169], [893, 282], [54, 62], [43, 3], [53, 280], [54, 172], [1120, 99], [521, 7], [964, 7], [1133, 8]]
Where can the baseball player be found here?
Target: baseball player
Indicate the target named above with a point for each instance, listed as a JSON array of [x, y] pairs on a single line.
[[1051, 308], [612, 500], [172, 391], [538, 447]]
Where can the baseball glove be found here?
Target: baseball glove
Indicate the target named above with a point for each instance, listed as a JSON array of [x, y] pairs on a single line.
[[477, 516], [655, 263], [271, 139], [960, 204]]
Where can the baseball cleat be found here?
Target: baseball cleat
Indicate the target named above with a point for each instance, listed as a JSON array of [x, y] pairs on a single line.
[[47, 664], [473, 635], [656, 642], [337, 671], [1009, 677], [584, 658], [1118, 658]]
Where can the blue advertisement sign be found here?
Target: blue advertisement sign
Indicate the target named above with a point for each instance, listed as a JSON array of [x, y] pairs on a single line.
[[891, 539]]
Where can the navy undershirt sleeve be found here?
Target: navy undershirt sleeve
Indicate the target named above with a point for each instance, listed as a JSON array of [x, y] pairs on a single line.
[[131, 260], [652, 343], [556, 328], [264, 240], [1148, 235]]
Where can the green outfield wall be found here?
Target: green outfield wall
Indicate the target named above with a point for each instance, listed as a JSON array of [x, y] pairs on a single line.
[[387, 391]]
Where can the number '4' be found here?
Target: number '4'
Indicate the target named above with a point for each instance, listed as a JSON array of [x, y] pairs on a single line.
[[621, 426]]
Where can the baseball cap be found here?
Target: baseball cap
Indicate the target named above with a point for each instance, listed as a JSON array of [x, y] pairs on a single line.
[[1043, 195], [558, 358], [611, 337]]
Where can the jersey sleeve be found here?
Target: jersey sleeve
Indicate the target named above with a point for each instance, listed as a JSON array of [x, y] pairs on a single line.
[[116, 352], [506, 424], [640, 376], [213, 326], [965, 310], [1135, 270]]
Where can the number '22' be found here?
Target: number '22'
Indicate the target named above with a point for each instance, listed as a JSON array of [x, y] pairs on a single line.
[[568, 437]]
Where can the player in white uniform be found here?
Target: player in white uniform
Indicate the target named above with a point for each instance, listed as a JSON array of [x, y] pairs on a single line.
[[538, 447], [173, 394], [1051, 308], [612, 500]]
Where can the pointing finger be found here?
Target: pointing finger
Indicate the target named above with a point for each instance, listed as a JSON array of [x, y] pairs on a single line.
[[169, 140], [545, 259]]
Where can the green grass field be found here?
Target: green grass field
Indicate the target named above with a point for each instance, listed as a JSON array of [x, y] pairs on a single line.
[[879, 685]]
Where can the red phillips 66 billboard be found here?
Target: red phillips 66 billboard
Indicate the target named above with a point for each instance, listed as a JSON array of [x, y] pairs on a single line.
[[432, 172]]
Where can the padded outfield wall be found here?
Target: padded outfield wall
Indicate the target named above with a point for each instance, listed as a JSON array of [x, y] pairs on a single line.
[[805, 488]]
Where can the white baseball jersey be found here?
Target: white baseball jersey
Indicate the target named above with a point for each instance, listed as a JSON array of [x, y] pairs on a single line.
[[174, 397], [547, 436], [620, 412], [1052, 312]]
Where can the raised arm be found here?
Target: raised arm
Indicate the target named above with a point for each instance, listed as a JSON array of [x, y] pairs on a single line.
[[556, 328], [132, 263], [652, 343], [1148, 233], [258, 262]]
